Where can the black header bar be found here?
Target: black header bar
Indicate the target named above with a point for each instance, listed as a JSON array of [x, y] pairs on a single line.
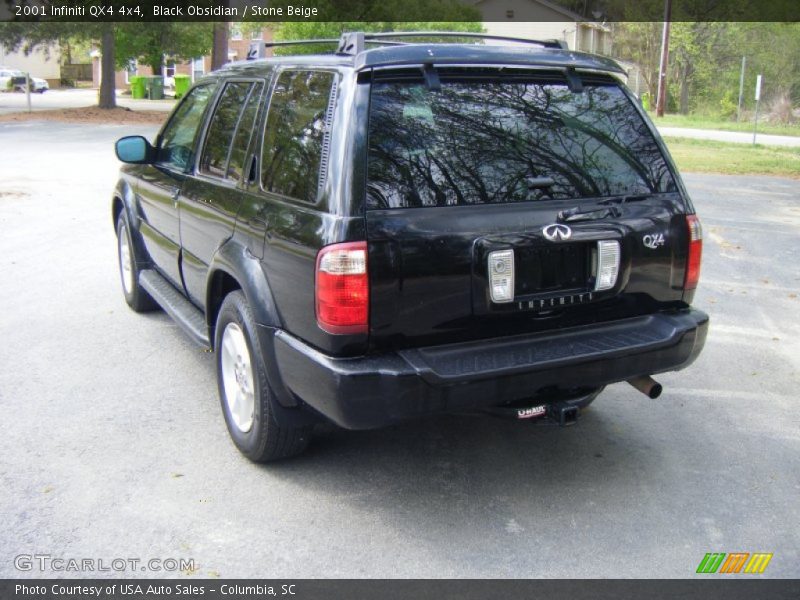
[[596, 11]]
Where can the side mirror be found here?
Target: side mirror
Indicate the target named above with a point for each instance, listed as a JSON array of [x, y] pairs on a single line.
[[134, 149]]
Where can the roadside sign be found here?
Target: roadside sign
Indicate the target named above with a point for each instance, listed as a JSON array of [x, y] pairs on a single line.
[[758, 101]]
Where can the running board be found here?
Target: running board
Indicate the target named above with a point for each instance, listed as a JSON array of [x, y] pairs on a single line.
[[175, 304]]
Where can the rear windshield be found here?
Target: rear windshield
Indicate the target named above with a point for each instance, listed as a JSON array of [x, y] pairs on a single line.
[[494, 142]]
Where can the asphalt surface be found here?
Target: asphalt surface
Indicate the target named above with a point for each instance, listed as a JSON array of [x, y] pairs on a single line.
[[112, 443]]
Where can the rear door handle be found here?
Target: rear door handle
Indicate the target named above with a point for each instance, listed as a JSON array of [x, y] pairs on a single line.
[[176, 192]]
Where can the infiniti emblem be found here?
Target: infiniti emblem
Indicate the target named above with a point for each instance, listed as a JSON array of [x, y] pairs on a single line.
[[557, 232]]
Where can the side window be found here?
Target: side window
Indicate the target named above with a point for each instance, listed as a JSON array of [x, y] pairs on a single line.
[[245, 129], [295, 132], [177, 140], [214, 158]]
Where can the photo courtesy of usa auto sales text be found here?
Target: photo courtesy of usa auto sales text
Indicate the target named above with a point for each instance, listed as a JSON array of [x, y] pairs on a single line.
[[72, 590]]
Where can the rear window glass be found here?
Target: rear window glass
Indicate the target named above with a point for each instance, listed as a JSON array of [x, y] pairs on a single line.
[[494, 142]]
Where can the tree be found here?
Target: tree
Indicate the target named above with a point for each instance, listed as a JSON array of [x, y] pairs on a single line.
[[151, 43], [219, 47], [367, 15], [219, 50], [119, 43], [108, 91], [332, 30], [706, 58], [27, 37], [640, 43]]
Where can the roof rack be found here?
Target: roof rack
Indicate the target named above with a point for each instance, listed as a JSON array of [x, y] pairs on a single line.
[[354, 43], [557, 44], [257, 49]]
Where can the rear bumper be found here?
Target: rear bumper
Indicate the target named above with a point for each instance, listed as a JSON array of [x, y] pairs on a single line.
[[373, 391]]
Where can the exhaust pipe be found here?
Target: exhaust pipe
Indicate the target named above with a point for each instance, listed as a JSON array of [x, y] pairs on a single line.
[[647, 385]]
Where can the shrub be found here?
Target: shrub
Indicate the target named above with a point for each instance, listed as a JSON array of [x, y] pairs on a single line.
[[780, 109]]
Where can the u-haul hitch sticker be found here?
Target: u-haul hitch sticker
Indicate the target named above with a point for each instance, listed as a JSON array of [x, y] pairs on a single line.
[[533, 411]]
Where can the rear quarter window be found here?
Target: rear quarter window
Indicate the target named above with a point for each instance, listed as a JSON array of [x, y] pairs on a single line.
[[496, 142], [223, 128], [296, 133]]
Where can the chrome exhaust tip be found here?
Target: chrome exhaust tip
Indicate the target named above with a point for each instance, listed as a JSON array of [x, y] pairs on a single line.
[[647, 385]]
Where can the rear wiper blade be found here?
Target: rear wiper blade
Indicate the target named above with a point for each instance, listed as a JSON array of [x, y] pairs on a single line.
[[571, 215]]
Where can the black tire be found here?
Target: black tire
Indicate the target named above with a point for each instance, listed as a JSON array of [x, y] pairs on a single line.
[[265, 440], [135, 295]]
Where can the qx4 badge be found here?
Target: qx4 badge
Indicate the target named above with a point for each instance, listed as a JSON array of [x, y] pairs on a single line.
[[653, 240]]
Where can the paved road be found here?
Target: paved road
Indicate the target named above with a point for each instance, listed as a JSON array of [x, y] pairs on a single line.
[[113, 445], [73, 98], [736, 137]]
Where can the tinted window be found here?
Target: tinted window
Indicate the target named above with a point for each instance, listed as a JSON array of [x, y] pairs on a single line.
[[214, 158], [492, 142], [243, 132], [177, 140], [294, 134]]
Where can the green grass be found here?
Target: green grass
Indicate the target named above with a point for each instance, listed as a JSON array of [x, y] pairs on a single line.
[[701, 122], [703, 156]]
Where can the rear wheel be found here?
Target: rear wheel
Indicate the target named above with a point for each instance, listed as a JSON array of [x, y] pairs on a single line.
[[136, 296], [245, 395]]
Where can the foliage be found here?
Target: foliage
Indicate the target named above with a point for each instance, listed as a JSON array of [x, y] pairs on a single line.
[[151, 43], [332, 30], [706, 58], [368, 16]]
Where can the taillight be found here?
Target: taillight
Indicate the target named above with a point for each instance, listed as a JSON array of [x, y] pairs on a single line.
[[342, 288], [695, 252]]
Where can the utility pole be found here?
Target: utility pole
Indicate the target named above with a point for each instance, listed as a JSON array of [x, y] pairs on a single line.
[[741, 91], [661, 98]]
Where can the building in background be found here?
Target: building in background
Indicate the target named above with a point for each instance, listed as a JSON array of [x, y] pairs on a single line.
[[44, 62], [238, 43], [543, 20]]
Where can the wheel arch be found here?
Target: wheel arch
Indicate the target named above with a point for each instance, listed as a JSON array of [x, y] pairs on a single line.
[[124, 202], [234, 267]]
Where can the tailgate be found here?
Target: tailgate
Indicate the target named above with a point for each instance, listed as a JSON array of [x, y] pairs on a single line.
[[520, 166]]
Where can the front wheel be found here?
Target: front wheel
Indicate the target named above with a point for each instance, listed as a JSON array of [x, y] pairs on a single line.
[[135, 295], [245, 394]]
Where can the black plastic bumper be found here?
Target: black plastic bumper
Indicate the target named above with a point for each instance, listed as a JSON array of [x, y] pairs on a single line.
[[373, 391]]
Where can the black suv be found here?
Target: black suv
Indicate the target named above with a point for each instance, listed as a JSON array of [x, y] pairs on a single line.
[[401, 229]]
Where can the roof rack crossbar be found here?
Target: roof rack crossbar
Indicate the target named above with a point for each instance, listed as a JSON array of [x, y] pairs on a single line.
[[464, 34], [256, 49], [353, 43]]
